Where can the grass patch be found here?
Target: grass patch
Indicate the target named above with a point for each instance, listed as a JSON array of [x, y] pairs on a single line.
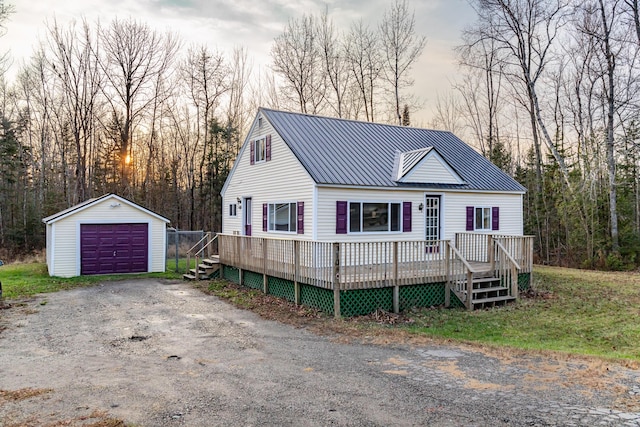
[[238, 296], [572, 311], [182, 264], [23, 280]]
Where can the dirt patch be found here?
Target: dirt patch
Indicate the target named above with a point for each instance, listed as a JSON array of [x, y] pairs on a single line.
[[25, 393]]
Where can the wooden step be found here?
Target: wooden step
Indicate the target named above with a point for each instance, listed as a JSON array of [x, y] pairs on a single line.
[[493, 299], [214, 260], [207, 267], [188, 277], [485, 280], [491, 289]]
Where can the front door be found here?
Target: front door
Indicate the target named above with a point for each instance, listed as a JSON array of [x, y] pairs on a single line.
[[432, 217], [247, 216]]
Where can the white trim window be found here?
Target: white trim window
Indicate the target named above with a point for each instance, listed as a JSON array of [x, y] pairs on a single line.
[[283, 217], [482, 218], [375, 217], [260, 150], [233, 209]]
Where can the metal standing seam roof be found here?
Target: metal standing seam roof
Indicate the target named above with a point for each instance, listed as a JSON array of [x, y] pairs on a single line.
[[349, 152]]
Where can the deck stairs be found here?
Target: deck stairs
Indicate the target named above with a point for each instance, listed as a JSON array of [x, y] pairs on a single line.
[[206, 270], [487, 291]]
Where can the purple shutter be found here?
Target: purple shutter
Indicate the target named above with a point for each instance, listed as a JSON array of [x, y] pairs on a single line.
[[406, 217], [267, 148], [470, 226], [300, 217], [265, 215], [252, 159], [495, 218], [341, 217]]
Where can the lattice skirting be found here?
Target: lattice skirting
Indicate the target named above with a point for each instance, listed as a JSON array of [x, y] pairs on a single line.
[[281, 288], [252, 280], [231, 273], [358, 301], [524, 281]]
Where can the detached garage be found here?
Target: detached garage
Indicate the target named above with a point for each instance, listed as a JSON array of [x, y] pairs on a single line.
[[105, 235]]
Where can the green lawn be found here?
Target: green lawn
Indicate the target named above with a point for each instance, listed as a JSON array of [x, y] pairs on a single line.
[[21, 280], [575, 311]]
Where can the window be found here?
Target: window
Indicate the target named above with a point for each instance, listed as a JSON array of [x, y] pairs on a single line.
[[259, 150], [483, 219], [282, 217], [374, 217], [233, 209]]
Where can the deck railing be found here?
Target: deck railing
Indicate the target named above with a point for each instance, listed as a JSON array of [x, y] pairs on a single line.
[[506, 268], [460, 276], [473, 247], [363, 265], [207, 244]]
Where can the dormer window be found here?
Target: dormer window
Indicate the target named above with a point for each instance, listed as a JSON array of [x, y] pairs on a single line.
[[260, 150]]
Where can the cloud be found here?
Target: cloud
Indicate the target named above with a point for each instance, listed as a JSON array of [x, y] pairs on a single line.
[[225, 24]]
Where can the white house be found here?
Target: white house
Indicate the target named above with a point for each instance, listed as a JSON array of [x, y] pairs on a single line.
[[326, 179], [108, 234]]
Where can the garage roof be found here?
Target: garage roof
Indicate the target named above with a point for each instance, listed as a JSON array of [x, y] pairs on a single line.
[[91, 202]]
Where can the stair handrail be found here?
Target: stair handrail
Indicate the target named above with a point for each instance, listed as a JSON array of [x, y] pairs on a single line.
[[506, 271], [469, 274], [199, 252], [506, 252]]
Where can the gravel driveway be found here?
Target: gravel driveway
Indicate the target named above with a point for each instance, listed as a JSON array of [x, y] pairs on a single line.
[[156, 353]]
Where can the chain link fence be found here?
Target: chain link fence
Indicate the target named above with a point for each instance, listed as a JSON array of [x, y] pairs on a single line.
[[178, 244]]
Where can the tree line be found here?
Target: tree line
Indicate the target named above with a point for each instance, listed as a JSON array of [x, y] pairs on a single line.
[[122, 108], [547, 90]]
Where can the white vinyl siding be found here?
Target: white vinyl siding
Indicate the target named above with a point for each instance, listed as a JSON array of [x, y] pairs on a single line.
[[453, 212], [280, 179], [510, 211], [327, 197], [432, 169], [65, 244]]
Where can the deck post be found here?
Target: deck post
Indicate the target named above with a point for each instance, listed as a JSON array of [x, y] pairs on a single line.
[[208, 245], [336, 280], [447, 286], [396, 281], [265, 279], [296, 271], [514, 281], [469, 302], [491, 253]]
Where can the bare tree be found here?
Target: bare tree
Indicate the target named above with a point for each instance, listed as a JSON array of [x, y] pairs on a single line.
[[298, 60], [600, 23], [446, 113], [524, 33], [6, 10], [363, 54], [78, 76], [334, 61], [635, 15], [131, 59], [402, 47]]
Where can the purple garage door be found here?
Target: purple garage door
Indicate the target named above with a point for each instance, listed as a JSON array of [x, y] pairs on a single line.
[[113, 248]]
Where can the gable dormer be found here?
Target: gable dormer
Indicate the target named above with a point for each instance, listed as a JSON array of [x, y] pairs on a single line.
[[424, 166]]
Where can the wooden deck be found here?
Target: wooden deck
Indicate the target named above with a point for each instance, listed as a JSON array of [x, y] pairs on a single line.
[[477, 268], [349, 265]]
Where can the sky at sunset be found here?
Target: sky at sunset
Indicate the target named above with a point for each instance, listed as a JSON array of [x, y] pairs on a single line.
[[223, 24]]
